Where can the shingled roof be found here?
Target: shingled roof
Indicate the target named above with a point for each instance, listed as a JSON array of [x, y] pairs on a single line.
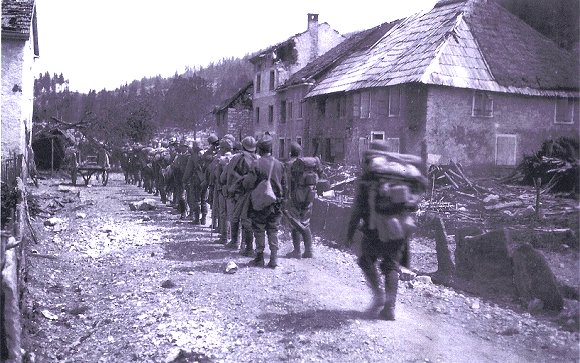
[[473, 44], [360, 40], [17, 18]]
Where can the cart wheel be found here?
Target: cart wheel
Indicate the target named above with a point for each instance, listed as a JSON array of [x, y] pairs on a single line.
[[73, 175], [105, 177]]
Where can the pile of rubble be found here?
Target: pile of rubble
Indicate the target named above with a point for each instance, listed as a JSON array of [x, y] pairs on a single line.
[[555, 167]]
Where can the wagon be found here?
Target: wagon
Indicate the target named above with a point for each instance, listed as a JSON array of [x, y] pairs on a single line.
[[90, 166]]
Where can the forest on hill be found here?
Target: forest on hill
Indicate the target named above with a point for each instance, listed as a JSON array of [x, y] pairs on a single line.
[[136, 111]]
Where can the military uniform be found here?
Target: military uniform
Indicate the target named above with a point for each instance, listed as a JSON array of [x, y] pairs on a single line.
[[382, 240], [220, 190], [192, 179], [239, 167], [266, 221], [298, 211]]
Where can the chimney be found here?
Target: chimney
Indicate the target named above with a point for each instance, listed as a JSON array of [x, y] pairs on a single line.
[[313, 31]]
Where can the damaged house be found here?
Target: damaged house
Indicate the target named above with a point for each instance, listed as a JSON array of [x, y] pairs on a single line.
[[466, 81], [273, 67], [234, 116]]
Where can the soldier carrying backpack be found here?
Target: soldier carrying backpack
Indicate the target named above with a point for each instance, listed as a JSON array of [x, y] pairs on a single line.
[[388, 193], [304, 173]]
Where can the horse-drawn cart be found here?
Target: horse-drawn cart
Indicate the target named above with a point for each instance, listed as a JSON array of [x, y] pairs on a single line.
[[89, 167]]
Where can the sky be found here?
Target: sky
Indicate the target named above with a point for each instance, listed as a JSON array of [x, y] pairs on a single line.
[[103, 44]]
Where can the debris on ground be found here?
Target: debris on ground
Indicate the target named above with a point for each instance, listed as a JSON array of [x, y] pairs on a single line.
[[556, 165]]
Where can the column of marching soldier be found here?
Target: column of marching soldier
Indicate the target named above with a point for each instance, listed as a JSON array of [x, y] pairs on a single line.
[[222, 178], [231, 176]]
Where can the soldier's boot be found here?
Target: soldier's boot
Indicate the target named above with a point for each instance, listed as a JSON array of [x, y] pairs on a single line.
[[196, 218], [391, 286], [307, 244], [273, 263], [202, 221], [295, 253], [235, 233], [248, 237], [259, 260], [373, 281]]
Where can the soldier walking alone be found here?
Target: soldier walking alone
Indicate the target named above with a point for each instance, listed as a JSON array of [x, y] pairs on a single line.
[[387, 194]]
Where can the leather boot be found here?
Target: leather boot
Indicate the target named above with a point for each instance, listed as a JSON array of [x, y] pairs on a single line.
[[391, 286], [273, 263], [196, 218], [295, 253], [248, 238], [259, 260], [373, 281], [307, 244]]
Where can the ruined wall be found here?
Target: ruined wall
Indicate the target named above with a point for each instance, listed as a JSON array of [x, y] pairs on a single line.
[[17, 95], [454, 134]]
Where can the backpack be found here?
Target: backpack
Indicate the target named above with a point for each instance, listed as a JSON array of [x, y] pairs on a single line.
[[304, 175], [395, 186]]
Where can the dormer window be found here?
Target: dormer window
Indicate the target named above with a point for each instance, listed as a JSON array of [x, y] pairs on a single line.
[[482, 105], [564, 111]]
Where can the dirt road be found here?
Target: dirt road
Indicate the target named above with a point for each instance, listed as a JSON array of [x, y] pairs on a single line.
[[107, 284]]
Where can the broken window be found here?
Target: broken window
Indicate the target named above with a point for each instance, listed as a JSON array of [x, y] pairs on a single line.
[[281, 147], [505, 149], [282, 111], [272, 80], [482, 104], [394, 101], [258, 82], [564, 113]]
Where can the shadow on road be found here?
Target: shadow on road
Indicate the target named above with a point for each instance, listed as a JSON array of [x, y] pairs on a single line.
[[312, 320]]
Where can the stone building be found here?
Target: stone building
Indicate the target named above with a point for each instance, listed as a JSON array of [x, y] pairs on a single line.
[[274, 65], [19, 51], [234, 116], [468, 79]]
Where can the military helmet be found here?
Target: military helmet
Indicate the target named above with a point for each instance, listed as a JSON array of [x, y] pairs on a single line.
[[249, 143], [211, 139]]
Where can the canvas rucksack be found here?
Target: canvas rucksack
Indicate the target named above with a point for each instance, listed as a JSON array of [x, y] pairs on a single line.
[[304, 174], [395, 186]]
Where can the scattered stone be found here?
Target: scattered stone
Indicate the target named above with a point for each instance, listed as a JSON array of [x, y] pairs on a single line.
[[146, 218], [81, 215], [423, 280], [475, 305], [406, 274], [261, 331], [53, 221], [168, 284], [231, 267], [143, 205], [530, 211], [47, 314]]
